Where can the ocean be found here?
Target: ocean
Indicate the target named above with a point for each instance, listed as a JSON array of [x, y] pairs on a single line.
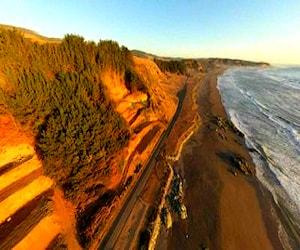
[[264, 103]]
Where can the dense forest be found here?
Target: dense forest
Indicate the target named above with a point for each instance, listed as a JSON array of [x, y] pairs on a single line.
[[172, 66], [54, 90]]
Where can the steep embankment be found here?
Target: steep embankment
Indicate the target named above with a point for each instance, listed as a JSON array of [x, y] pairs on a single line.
[[149, 117], [146, 113]]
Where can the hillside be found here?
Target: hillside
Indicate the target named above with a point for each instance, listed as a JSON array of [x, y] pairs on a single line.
[[90, 115], [32, 35], [204, 64]]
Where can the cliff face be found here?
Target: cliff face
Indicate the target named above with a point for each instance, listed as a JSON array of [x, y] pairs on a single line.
[[145, 113]]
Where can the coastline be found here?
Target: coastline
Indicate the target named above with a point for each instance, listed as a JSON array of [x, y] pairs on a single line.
[[287, 226], [225, 211]]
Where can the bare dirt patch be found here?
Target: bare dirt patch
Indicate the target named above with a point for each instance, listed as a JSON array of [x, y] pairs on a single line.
[[65, 212], [11, 134]]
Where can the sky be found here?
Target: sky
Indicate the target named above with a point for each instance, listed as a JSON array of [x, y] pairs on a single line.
[[260, 30]]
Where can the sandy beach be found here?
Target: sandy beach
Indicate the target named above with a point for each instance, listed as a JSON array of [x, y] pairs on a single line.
[[225, 211]]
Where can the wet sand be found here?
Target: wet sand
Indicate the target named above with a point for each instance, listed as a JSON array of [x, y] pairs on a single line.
[[224, 211]]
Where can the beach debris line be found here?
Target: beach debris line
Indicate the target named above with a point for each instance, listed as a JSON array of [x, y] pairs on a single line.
[[219, 125], [175, 197], [158, 213], [224, 124], [204, 247], [233, 171], [236, 162], [166, 217], [241, 163]]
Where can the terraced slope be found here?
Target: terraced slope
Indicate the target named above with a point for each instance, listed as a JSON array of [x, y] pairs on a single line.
[[30, 207], [25, 198]]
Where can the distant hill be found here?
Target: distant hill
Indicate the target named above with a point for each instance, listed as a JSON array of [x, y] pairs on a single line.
[[143, 54], [208, 63], [184, 65], [205, 62], [34, 36]]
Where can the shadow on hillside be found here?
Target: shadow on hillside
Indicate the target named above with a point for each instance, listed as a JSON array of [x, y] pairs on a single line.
[[86, 218]]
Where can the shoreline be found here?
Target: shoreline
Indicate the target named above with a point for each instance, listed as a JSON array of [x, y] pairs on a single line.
[[236, 211], [287, 226]]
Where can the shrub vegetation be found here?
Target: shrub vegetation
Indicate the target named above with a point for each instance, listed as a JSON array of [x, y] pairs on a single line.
[[172, 66]]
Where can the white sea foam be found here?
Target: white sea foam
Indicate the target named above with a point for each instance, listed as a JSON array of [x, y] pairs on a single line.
[[263, 105], [287, 171]]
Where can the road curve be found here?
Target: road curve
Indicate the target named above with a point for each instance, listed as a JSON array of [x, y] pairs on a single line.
[[111, 237]]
